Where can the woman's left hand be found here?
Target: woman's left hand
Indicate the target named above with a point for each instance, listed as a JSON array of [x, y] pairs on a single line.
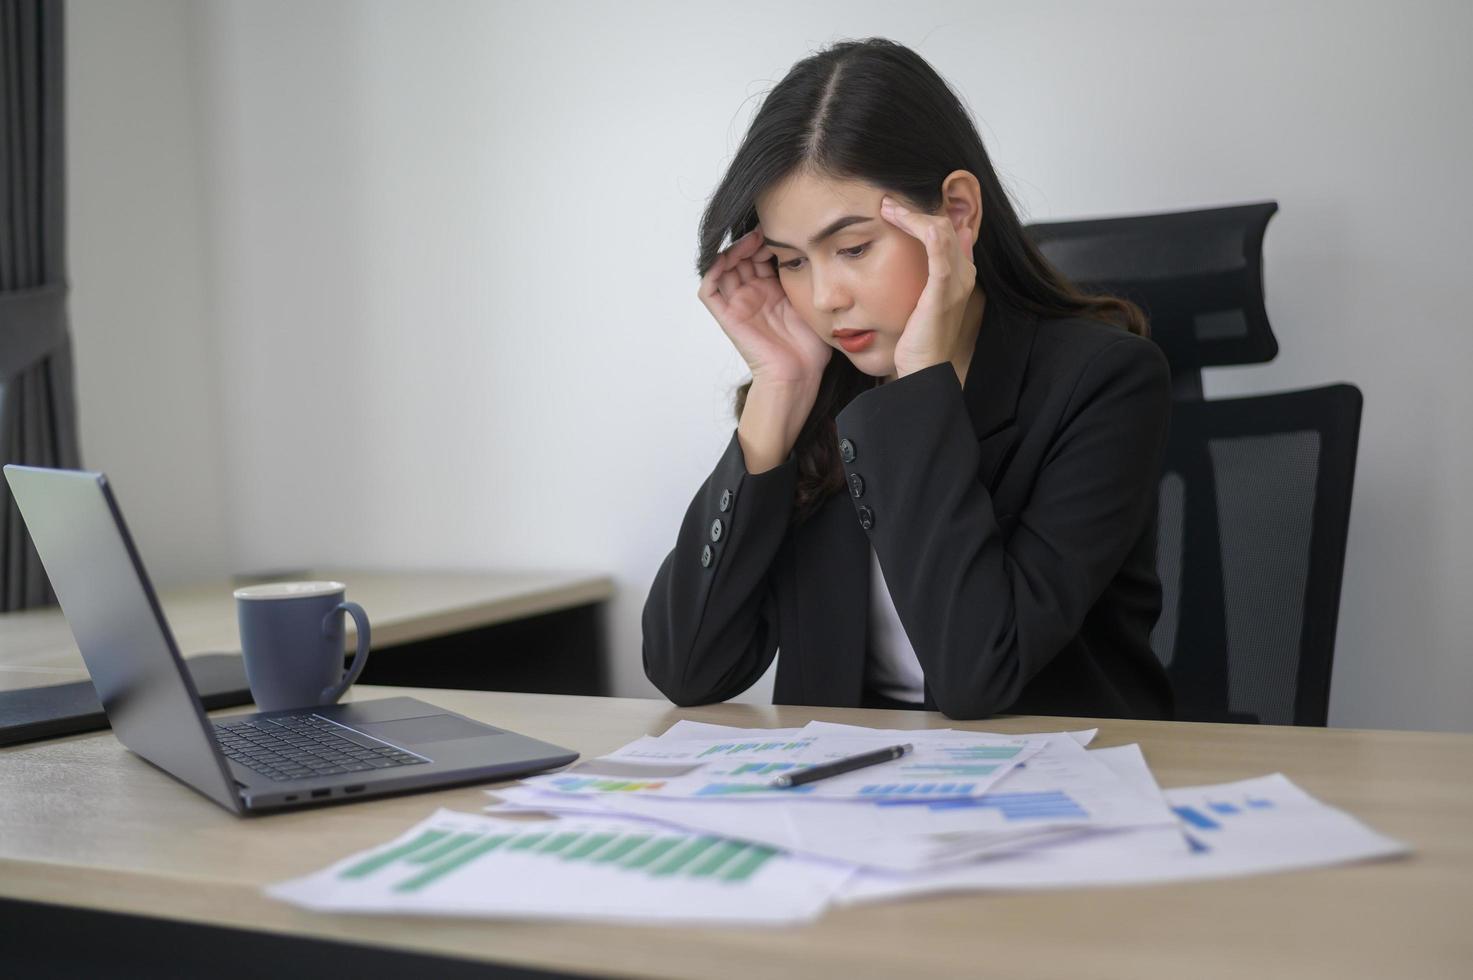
[[933, 334]]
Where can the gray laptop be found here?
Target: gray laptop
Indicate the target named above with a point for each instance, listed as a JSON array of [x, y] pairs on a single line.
[[246, 763]]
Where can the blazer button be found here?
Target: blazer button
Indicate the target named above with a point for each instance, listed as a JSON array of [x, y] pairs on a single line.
[[706, 557], [856, 485], [725, 501], [716, 529], [846, 450], [866, 518]]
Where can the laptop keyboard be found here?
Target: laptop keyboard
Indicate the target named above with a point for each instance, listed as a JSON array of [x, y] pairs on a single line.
[[306, 746]]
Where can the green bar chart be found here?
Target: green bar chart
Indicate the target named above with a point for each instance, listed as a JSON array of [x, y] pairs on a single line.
[[434, 854], [570, 867]]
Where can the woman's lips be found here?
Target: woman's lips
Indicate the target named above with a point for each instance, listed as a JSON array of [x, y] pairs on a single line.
[[854, 341]]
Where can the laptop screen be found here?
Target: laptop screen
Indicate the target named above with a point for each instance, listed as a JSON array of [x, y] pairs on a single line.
[[149, 697]]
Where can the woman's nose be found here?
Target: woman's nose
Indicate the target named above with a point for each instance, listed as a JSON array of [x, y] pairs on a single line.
[[829, 294]]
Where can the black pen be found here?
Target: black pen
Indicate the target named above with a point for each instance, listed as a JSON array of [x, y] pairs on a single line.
[[839, 766]]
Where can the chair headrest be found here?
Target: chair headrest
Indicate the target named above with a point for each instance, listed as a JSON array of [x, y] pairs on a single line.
[[1197, 274]]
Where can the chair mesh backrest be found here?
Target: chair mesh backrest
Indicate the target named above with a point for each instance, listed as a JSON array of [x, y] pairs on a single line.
[[1197, 274], [1255, 492], [1254, 510]]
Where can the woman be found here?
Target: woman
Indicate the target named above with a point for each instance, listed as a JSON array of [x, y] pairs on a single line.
[[941, 489]]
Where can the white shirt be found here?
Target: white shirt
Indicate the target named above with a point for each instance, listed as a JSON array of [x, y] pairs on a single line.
[[892, 668]]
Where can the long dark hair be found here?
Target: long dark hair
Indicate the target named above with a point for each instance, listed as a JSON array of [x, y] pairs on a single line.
[[874, 110]]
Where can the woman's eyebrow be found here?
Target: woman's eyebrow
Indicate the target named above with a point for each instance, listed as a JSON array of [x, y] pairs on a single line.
[[833, 227]]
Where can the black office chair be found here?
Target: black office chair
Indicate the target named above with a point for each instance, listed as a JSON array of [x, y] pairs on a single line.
[[1255, 491]]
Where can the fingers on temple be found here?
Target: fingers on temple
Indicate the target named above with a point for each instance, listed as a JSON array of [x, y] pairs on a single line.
[[746, 259], [729, 283]]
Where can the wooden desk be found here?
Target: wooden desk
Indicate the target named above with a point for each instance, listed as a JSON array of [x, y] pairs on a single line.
[[407, 609], [403, 607], [88, 825]]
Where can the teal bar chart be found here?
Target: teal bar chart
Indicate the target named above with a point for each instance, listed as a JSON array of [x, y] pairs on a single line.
[[571, 867], [437, 853]]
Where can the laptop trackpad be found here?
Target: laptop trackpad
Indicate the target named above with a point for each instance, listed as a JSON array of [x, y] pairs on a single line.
[[430, 728]]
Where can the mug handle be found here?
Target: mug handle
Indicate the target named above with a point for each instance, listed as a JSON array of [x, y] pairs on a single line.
[[360, 656]]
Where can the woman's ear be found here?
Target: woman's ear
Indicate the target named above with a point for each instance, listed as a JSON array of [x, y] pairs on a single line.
[[961, 201]]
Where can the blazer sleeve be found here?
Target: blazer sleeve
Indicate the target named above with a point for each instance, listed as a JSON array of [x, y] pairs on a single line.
[[710, 621], [986, 612]]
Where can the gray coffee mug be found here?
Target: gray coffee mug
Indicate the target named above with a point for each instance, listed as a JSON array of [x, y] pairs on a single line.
[[291, 635]]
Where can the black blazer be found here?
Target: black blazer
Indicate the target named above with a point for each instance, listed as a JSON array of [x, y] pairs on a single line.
[[1015, 520]]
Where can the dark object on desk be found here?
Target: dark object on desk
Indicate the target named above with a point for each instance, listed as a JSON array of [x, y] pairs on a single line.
[[561, 652], [1255, 492], [66, 709]]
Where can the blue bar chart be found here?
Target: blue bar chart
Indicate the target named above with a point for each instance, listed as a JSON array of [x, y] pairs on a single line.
[[1051, 805], [1211, 815]]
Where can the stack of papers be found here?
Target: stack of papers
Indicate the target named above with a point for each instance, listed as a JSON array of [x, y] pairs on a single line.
[[579, 868], [934, 806], [687, 827]]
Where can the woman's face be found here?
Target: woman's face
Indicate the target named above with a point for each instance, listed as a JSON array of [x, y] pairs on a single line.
[[864, 278]]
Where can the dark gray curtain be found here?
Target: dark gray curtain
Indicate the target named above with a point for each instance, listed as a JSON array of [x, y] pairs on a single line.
[[38, 417]]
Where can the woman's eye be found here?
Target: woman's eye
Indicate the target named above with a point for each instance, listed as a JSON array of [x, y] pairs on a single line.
[[853, 253]]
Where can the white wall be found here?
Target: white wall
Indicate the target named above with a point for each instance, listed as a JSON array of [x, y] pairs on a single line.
[[448, 247], [147, 364]]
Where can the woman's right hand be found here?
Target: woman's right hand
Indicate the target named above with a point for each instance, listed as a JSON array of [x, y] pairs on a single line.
[[742, 291]]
